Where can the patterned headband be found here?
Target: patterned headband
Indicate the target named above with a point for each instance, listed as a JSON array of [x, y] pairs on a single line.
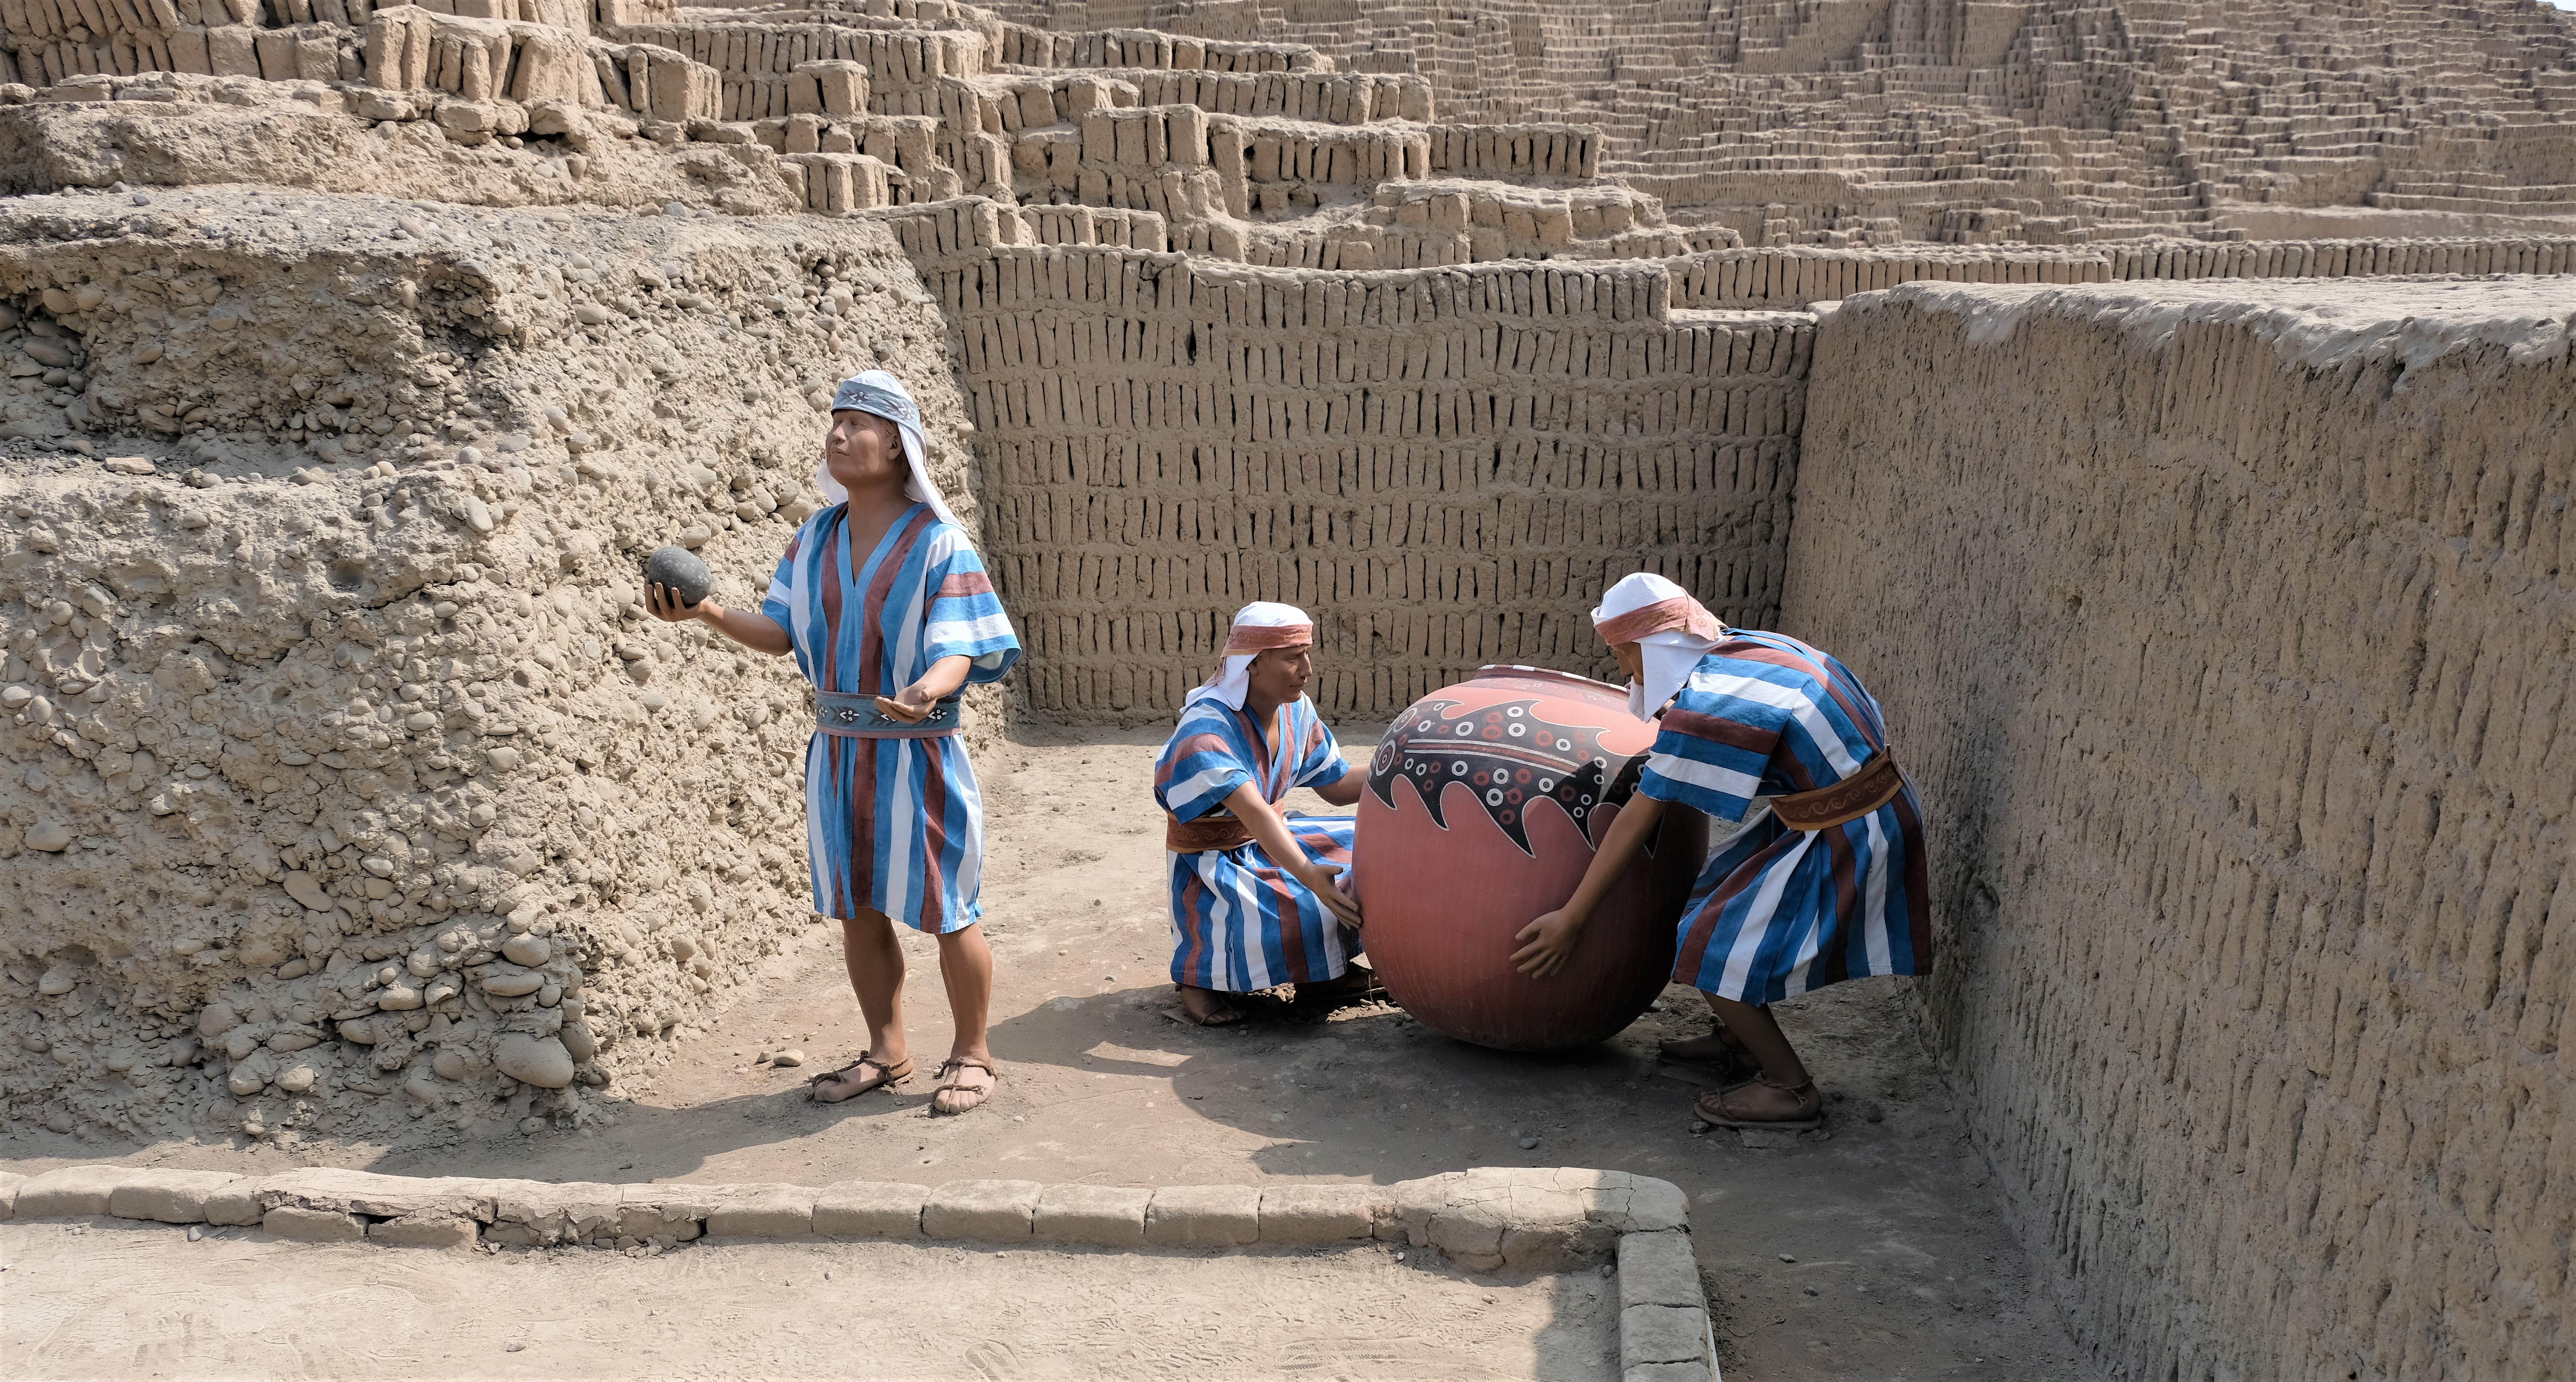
[[877, 399], [1680, 612], [1260, 638]]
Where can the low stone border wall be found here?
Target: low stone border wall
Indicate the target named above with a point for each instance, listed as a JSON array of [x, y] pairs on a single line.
[[1548, 1220]]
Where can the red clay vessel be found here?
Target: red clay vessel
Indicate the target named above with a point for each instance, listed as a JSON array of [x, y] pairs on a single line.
[[1483, 806]]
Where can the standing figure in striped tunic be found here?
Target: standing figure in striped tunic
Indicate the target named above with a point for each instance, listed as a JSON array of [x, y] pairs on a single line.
[[1254, 902], [889, 614], [1825, 880]]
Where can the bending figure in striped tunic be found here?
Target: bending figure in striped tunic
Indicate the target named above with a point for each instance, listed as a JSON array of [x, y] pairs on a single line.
[[1254, 902], [1825, 880], [889, 613]]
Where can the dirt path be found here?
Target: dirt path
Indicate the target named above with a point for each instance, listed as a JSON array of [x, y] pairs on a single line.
[[128, 1301], [1903, 1266]]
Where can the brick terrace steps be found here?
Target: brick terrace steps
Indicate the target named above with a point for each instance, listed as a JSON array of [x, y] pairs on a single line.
[[2091, 115]]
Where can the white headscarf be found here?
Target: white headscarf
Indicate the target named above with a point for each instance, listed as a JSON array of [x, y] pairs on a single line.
[[1670, 628], [1258, 628], [878, 392]]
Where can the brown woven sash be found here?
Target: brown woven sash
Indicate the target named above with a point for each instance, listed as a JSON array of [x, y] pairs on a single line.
[[1874, 786], [1205, 833]]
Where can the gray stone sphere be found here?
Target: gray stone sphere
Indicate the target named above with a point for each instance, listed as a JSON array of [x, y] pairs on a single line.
[[680, 569]]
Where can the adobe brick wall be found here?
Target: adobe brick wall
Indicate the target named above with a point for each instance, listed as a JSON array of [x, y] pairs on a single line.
[[1445, 468], [2227, 631]]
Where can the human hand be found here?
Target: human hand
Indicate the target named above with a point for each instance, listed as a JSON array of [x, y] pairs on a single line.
[[1550, 942], [1320, 878], [664, 603], [912, 705]]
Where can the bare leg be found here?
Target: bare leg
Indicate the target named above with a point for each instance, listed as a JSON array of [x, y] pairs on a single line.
[[1720, 1049], [1760, 1032], [1783, 1093], [875, 962], [966, 968]]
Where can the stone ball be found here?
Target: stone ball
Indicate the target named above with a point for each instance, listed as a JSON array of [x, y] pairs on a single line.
[[540, 1061], [680, 569]]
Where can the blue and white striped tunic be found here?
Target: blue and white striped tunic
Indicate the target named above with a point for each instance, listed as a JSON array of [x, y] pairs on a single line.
[[1238, 922], [1780, 912], [893, 825]]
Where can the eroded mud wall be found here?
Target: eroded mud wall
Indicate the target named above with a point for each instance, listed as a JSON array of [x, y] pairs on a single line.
[[2228, 632], [345, 780]]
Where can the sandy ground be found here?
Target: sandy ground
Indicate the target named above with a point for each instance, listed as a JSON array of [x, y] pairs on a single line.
[[116, 1300], [1877, 1248]]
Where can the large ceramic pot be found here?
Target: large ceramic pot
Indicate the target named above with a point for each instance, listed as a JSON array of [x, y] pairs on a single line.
[[1483, 806]]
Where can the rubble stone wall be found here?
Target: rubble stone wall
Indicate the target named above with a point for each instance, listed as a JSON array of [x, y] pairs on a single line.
[[345, 773], [2227, 631]]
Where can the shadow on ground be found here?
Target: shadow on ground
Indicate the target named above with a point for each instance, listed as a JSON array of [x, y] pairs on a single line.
[[1875, 1248]]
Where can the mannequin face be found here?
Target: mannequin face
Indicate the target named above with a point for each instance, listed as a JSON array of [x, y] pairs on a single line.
[[1632, 659], [1279, 676], [864, 453]]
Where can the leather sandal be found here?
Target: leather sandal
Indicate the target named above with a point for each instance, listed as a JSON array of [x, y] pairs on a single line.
[[1225, 1015], [887, 1077], [1810, 1111], [949, 1070]]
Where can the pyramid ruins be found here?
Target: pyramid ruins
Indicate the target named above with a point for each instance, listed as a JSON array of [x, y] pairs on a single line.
[[357, 353]]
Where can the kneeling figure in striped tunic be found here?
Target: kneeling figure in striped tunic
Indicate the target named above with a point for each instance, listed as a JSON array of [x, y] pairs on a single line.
[[1825, 881], [1254, 901]]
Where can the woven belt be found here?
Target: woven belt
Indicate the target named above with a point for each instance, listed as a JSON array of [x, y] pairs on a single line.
[[1205, 833], [857, 717], [1874, 786]]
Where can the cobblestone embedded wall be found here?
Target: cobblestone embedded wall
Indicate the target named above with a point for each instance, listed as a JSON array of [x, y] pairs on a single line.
[[2228, 631], [346, 782]]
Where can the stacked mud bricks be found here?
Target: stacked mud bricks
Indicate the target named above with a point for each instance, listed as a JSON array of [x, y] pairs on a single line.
[[1978, 122], [1444, 468], [2225, 630]]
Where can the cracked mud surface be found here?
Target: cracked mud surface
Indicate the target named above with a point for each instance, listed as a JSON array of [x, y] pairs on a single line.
[[121, 1300]]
